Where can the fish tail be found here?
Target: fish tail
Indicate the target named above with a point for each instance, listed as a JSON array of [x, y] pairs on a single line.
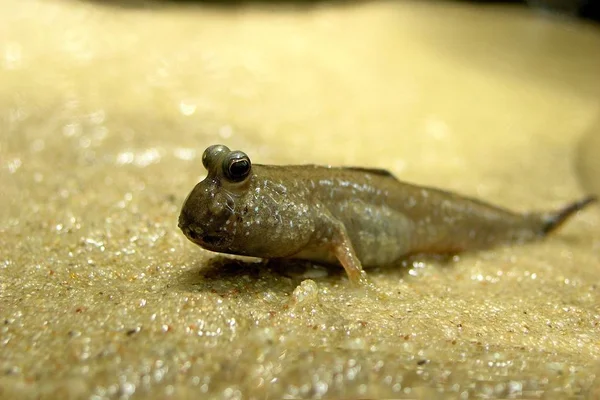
[[553, 220]]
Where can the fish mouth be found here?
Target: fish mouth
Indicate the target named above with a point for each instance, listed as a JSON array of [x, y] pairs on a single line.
[[210, 241], [215, 240]]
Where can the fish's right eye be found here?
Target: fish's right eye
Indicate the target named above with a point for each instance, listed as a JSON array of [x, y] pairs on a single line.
[[211, 154], [236, 166]]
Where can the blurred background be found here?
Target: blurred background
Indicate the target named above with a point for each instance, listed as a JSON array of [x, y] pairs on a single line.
[[107, 106], [574, 8]]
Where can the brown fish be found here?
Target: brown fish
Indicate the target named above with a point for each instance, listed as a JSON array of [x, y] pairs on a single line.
[[355, 216]]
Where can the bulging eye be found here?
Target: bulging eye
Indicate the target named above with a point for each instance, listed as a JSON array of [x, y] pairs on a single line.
[[236, 166], [211, 154]]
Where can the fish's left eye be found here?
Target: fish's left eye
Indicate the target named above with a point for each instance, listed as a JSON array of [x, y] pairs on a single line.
[[236, 166], [212, 153]]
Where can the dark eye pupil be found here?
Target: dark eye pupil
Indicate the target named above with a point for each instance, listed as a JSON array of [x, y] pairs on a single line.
[[239, 169], [236, 166]]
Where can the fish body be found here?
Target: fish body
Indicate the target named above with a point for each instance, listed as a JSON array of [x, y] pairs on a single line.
[[352, 216]]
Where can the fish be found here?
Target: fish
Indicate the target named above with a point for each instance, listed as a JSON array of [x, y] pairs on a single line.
[[352, 216]]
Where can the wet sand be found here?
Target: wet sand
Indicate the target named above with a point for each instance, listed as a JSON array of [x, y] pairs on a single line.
[[105, 112]]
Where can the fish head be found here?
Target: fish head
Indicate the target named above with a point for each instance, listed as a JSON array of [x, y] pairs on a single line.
[[209, 215]]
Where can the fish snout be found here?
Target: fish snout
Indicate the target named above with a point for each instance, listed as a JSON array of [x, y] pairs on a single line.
[[191, 230], [212, 240]]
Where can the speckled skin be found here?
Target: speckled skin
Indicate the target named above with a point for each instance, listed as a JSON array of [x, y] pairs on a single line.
[[357, 217]]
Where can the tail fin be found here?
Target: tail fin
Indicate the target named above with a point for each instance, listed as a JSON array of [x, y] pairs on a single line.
[[552, 221]]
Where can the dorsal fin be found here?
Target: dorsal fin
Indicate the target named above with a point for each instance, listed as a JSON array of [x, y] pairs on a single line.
[[374, 171]]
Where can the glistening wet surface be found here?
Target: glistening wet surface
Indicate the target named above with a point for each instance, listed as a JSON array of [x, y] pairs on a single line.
[[106, 112]]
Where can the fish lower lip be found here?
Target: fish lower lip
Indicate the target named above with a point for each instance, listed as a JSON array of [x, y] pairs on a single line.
[[215, 240], [211, 238]]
